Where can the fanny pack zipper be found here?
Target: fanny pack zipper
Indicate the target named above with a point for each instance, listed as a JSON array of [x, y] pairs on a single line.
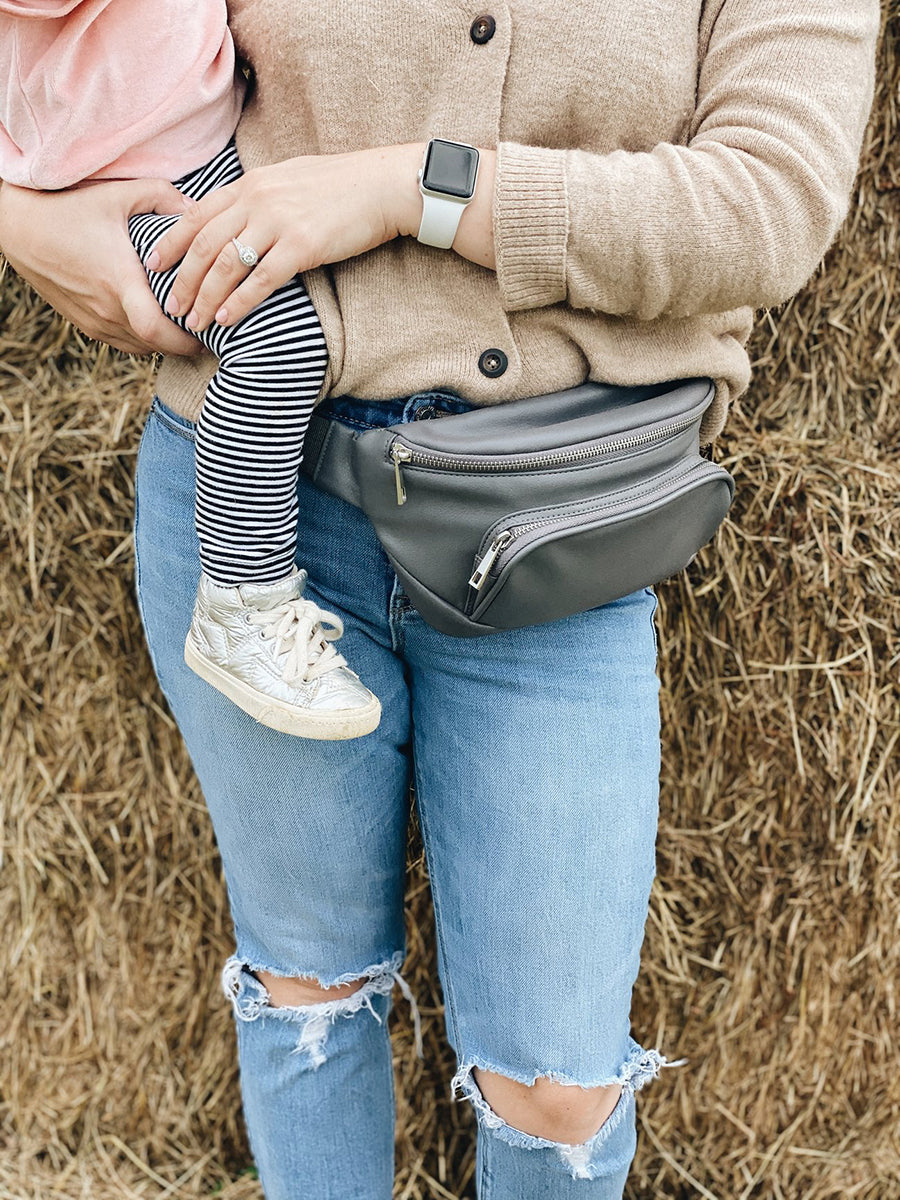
[[402, 455], [504, 537]]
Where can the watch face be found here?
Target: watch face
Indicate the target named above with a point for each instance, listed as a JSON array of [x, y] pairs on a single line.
[[450, 168]]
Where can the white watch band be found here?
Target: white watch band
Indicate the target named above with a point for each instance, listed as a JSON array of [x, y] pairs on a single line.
[[440, 220]]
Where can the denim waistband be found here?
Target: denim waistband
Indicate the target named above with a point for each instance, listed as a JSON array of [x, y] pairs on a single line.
[[361, 414], [375, 414]]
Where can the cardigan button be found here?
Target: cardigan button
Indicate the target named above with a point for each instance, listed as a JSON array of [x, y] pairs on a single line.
[[482, 29], [493, 363]]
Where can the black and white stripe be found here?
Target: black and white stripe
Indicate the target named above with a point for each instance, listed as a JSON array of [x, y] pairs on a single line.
[[254, 417]]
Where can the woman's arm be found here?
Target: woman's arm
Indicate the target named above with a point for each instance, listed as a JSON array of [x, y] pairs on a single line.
[[299, 214], [741, 215], [73, 248]]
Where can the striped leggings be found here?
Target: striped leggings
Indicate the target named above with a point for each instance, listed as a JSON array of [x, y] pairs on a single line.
[[254, 417]]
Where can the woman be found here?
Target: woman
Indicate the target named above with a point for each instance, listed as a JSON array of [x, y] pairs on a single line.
[[648, 175]]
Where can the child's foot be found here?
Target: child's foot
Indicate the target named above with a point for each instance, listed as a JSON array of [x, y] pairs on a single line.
[[266, 648]]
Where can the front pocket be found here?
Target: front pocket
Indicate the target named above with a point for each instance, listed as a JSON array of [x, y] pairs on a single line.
[[540, 565], [172, 420]]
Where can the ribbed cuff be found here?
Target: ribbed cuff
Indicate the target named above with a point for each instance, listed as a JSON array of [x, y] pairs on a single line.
[[531, 225]]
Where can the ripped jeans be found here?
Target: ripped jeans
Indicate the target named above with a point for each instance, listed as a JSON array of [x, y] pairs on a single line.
[[535, 759]]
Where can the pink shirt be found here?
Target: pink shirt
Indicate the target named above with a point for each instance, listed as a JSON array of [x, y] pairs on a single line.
[[113, 89]]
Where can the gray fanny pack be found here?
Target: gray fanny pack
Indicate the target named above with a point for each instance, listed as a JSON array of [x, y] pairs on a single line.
[[535, 509]]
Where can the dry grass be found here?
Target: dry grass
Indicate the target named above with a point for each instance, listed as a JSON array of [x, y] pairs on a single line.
[[771, 958]]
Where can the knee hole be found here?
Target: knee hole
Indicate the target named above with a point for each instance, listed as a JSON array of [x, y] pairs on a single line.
[[556, 1111], [288, 992]]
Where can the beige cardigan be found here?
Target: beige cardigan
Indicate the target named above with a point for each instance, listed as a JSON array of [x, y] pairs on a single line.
[[663, 168]]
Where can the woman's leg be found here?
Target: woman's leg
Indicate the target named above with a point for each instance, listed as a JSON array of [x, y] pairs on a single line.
[[312, 837], [537, 759]]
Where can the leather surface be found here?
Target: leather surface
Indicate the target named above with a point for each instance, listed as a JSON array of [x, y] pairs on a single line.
[[452, 509], [560, 419]]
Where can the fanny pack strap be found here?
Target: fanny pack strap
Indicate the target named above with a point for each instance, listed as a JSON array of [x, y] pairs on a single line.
[[328, 458]]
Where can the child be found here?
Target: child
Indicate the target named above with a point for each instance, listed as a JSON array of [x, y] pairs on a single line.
[[118, 89]]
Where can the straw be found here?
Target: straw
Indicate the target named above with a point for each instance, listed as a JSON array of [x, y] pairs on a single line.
[[772, 953]]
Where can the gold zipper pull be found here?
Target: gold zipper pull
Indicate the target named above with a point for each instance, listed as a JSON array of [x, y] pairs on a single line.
[[497, 546], [400, 454]]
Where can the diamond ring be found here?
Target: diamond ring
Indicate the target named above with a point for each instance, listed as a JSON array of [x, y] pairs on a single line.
[[246, 254]]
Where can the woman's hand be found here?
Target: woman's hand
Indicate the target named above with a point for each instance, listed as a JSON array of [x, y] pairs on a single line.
[[299, 214], [74, 250]]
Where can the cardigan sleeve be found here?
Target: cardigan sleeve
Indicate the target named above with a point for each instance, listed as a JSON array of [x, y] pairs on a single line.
[[740, 215]]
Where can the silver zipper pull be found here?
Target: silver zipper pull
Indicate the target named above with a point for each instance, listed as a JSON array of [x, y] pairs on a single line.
[[400, 454], [497, 546]]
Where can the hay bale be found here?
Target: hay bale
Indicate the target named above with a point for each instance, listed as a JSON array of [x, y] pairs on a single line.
[[771, 955]]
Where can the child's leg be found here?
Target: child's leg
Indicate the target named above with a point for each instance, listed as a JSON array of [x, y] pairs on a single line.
[[250, 432], [253, 636]]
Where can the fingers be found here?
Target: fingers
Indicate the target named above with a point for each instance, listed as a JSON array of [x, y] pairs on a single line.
[[210, 269], [211, 282], [150, 330], [272, 272], [174, 245], [114, 337], [226, 274], [156, 195]]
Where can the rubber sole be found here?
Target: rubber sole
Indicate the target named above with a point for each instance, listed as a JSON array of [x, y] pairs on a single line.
[[286, 718]]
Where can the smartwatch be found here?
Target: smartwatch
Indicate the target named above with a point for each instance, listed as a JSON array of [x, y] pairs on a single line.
[[447, 183]]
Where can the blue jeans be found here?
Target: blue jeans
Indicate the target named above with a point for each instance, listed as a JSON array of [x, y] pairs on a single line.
[[534, 756]]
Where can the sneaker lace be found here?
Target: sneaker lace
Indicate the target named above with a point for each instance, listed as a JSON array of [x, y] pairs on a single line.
[[305, 635]]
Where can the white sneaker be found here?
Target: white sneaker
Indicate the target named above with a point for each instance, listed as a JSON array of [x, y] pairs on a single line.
[[265, 647]]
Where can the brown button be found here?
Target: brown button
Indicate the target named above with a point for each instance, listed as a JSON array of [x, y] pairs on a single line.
[[482, 29], [493, 363]]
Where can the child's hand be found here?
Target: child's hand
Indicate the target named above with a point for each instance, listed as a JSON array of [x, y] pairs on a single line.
[[297, 215]]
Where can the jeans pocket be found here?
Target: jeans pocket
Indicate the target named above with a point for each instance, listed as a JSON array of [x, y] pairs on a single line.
[[172, 420], [653, 611], [137, 513]]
